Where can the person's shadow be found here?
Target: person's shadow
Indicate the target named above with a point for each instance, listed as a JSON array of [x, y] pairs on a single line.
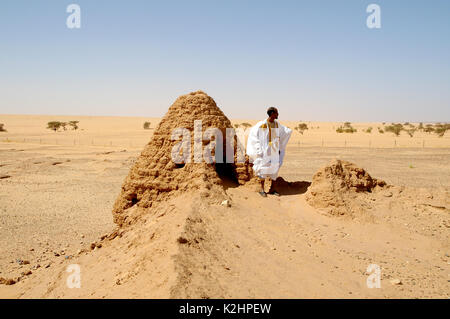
[[290, 188]]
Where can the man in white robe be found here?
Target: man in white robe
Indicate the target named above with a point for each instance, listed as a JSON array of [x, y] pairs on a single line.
[[266, 146]]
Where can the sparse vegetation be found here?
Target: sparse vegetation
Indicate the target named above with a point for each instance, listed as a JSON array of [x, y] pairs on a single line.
[[395, 128], [437, 128], [440, 129], [380, 130], [56, 125], [246, 125], [147, 125], [429, 128], [301, 127], [368, 130], [410, 131], [2, 129], [347, 128], [74, 124]]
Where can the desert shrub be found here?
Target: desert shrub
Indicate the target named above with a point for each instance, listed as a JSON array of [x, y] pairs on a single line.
[[301, 127], [236, 125], [147, 125], [2, 129], [246, 125], [380, 130], [368, 130], [397, 128], [394, 128], [428, 128], [347, 128], [410, 131], [74, 124], [440, 129], [54, 125]]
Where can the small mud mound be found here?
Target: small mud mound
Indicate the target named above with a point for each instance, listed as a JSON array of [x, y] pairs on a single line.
[[154, 176], [340, 188]]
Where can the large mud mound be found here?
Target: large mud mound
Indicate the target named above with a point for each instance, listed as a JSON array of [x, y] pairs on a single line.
[[339, 188], [154, 176]]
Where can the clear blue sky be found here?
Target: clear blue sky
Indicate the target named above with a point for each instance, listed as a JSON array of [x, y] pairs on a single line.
[[314, 60]]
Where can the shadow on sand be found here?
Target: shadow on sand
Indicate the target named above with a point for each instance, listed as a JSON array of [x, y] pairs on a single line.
[[290, 188]]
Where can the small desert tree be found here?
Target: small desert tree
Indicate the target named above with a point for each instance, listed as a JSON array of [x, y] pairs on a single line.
[[2, 129], [394, 128], [246, 125], [440, 129], [301, 127], [54, 125], [63, 125], [74, 124], [347, 128], [410, 131], [428, 128], [147, 125]]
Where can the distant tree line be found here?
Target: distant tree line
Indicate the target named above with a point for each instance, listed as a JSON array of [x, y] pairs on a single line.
[[410, 129]]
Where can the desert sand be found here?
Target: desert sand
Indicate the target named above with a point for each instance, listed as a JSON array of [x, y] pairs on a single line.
[[59, 190]]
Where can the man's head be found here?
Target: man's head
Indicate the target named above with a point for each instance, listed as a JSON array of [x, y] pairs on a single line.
[[273, 113]]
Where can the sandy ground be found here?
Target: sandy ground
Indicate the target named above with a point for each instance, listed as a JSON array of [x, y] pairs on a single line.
[[57, 192]]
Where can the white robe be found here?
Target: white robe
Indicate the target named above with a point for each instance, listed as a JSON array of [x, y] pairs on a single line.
[[267, 157]]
